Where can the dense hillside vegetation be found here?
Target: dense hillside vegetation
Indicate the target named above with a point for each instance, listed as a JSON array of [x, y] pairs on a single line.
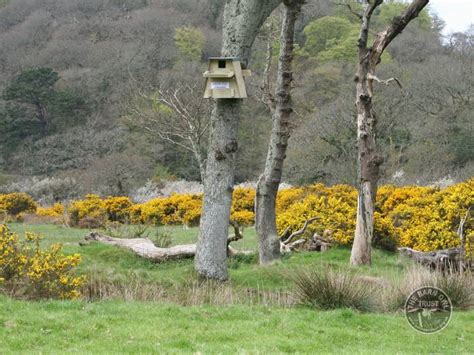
[[82, 82]]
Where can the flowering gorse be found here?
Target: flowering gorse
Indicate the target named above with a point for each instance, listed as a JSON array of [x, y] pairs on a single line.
[[29, 271], [423, 218]]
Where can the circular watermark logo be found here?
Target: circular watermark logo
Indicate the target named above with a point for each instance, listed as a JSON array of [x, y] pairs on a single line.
[[428, 309]]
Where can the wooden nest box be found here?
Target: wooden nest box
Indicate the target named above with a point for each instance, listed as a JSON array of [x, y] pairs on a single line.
[[225, 79]]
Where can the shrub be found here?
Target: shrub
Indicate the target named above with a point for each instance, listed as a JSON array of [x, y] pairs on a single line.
[[46, 191], [243, 218], [27, 270], [243, 206], [15, 203], [117, 209], [57, 210], [176, 209], [88, 212], [426, 218], [422, 218], [327, 289], [189, 210], [243, 199], [335, 206]]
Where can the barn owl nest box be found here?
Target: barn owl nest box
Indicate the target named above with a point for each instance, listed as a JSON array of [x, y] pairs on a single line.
[[225, 79]]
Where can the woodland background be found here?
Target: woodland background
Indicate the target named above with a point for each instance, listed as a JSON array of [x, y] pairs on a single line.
[[100, 58]]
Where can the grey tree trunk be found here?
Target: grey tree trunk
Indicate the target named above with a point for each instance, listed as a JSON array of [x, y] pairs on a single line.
[[369, 158], [242, 20], [267, 187]]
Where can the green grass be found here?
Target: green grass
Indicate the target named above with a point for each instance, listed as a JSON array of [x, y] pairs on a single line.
[[135, 327], [118, 326], [116, 263]]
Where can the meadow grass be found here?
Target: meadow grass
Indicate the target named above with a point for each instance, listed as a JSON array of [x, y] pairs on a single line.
[[116, 263], [134, 327], [131, 326]]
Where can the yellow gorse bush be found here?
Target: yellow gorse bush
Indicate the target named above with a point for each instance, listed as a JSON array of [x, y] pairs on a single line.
[[423, 218], [56, 210], [91, 207], [426, 218], [117, 208], [15, 203], [334, 206], [27, 270], [177, 209]]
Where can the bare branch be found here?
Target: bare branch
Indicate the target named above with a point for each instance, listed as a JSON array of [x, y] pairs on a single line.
[[301, 231], [177, 115], [359, 15], [385, 82], [396, 26], [461, 233]]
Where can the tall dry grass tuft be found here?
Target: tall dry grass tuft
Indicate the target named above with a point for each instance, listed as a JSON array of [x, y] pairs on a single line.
[[191, 293], [323, 289], [459, 286], [328, 289]]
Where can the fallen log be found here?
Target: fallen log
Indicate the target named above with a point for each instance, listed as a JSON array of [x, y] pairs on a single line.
[[318, 243], [446, 259], [315, 243], [443, 260], [145, 248]]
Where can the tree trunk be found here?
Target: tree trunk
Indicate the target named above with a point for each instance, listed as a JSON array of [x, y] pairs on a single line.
[[369, 159], [198, 155], [267, 187], [42, 116], [242, 20]]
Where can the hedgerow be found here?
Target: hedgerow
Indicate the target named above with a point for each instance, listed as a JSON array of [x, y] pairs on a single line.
[[423, 218]]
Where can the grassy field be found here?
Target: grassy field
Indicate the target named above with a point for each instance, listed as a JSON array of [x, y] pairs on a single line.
[[119, 263], [133, 326]]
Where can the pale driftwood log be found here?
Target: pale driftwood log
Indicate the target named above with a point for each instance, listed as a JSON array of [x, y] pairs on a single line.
[[145, 248], [318, 243], [315, 243], [444, 260], [298, 232]]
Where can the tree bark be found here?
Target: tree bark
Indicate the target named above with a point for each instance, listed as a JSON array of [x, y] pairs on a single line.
[[242, 20], [267, 187], [369, 158]]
